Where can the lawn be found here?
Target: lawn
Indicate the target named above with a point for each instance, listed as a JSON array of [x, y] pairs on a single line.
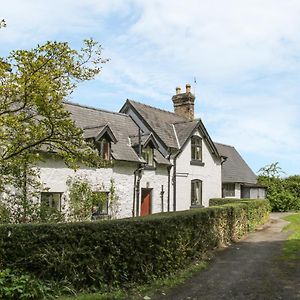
[[291, 248]]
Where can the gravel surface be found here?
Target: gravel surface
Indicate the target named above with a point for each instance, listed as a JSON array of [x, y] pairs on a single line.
[[250, 269]]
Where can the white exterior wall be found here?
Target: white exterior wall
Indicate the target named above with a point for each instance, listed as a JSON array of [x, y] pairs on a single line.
[[54, 174], [155, 179], [209, 174]]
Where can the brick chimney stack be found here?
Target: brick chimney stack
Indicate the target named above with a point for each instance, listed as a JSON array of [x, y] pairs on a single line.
[[184, 103]]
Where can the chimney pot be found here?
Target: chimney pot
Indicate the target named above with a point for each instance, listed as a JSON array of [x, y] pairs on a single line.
[[188, 88], [178, 90]]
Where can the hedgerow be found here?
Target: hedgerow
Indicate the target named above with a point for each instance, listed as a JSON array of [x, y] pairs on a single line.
[[118, 252]]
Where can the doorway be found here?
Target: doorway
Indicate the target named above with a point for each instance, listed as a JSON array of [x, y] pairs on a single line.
[[146, 202]]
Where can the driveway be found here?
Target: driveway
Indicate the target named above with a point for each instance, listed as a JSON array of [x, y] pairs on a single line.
[[250, 269]]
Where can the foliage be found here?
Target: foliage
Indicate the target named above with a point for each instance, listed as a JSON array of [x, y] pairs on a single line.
[[83, 199], [283, 193], [33, 119], [15, 285], [253, 215], [114, 204], [117, 252], [2, 23], [5, 214]]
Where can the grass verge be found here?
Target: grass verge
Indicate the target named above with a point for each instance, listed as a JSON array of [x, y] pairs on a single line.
[[156, 287], [291, 247]]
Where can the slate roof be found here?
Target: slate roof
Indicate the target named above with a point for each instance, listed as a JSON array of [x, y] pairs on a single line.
[[235, 169], [160, 121], [92, 132], [121, 125], [184, 130], [172, 129], [93, 121]]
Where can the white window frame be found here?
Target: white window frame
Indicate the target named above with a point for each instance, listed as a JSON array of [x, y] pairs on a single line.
[[100, 209], [228, 190], [196, 148], [196, 193], [49, 198], [148, 155]]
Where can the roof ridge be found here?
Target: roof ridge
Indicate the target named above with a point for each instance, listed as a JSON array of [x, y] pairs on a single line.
[[94, 108], [156, 108]]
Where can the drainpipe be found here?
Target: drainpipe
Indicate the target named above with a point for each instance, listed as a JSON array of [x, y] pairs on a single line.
[[169, 187], [133, 202], [139, 175], [162, 198], [174, 179], [174, 184], [137, 180]]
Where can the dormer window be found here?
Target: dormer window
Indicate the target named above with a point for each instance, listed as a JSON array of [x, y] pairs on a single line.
[[104, 149], [148, 156], [196, 148]]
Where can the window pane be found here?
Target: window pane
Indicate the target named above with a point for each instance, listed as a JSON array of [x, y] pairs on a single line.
[[196, 148], [100, 204], [229, 189], [51, 200], [148, 156], [105, 149], [196, 192]]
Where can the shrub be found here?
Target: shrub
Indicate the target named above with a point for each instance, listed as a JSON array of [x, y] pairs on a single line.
[[283, 193], [14, 285], [257, 210], [117, 252]]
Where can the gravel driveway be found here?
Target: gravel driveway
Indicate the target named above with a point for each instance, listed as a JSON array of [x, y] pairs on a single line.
[[250, 269]]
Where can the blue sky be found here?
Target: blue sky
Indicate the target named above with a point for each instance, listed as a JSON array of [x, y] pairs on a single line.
[[245, 56]]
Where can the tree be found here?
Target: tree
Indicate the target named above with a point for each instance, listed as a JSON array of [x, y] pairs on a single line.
[[2, 23], [283, 193], [33, 86]]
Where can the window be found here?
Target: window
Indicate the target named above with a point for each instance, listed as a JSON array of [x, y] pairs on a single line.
[[196, 148], [148, 156], [100, 204], [228, 190], [104, 149], [196, 192], [51, 200]]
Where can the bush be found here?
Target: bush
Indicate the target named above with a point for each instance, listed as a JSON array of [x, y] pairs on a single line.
[[14, 285], [257, 210], [118, 252], [283, 193]]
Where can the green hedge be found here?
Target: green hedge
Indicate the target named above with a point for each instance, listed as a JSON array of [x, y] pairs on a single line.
[[255, 216], [124, 251]]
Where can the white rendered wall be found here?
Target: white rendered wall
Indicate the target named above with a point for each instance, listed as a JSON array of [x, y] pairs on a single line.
[[54, 174], [210, 174], [155, 179]]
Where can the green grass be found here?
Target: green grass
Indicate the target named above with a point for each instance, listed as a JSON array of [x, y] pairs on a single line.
[[159, 286], [291, 247]]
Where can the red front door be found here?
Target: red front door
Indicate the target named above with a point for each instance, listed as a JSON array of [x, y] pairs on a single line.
[[146, 202]]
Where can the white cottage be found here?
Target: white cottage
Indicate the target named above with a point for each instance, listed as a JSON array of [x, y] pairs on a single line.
[[195, 162], [160, 160]]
